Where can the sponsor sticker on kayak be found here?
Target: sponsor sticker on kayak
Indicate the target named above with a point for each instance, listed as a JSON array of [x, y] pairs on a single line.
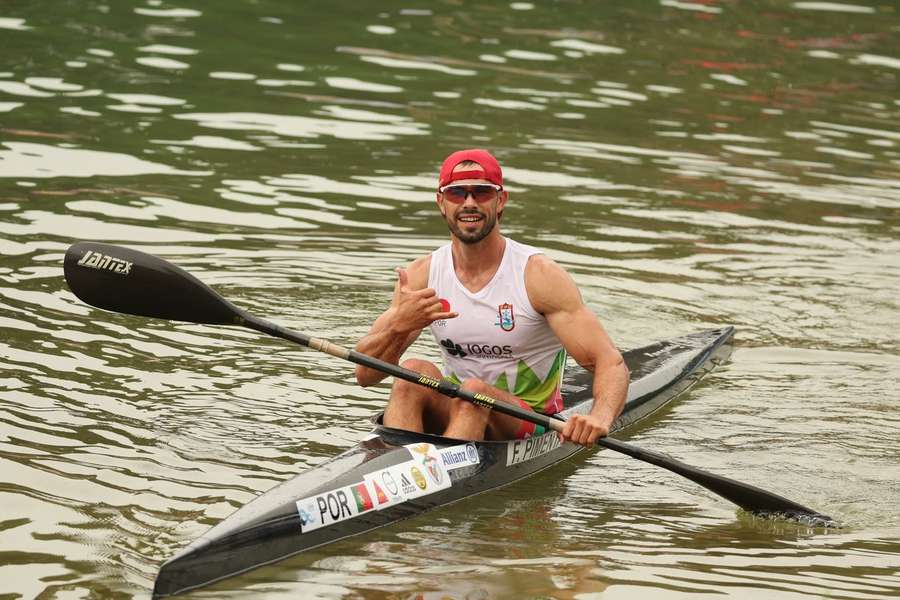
[[408, 480], [430, 460], [520, 451], [457, 457], [332, 507], [389, 486], [385, 488], [424, 474]]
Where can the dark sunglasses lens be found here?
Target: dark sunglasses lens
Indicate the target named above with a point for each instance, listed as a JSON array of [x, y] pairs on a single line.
[[481, 193], [456, 193]]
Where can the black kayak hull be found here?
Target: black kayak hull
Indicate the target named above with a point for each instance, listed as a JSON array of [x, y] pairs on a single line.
[[395, 474]]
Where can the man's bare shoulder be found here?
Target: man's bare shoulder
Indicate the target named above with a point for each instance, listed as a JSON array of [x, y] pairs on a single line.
[[548, 285], [542, 270], [417, 271]]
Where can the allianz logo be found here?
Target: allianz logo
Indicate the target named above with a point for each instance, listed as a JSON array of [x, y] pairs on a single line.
[[103, 262], [480, 350]]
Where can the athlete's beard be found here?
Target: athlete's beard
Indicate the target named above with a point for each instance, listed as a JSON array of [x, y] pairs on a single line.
[[473, 237]]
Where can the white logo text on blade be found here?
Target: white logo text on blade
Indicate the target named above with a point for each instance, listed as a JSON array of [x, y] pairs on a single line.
[[103, 262]]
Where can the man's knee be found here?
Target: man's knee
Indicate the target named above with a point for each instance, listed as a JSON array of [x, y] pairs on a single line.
[[424, 367], [476, 386], [416, 365]]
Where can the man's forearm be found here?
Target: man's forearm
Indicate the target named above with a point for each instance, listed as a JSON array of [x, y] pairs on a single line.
[[610, 391], [385, 343]]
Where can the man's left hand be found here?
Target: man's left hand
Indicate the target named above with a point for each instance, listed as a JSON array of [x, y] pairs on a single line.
[[584, 430]]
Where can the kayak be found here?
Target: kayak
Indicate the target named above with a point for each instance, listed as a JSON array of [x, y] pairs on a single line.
[[394, 474]]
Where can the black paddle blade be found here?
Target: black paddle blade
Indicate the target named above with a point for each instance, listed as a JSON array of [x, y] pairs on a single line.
[[752, 499], [127, 281]]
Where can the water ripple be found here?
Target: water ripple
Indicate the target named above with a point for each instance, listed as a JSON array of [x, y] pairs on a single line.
[[739, 168]]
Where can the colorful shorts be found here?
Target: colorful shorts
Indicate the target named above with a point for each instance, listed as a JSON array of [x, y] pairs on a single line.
[[528, 429]]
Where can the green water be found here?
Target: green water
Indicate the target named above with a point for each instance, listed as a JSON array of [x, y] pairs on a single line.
[[692, 164]]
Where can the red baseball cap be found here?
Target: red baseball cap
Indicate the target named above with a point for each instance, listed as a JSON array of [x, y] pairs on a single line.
[[490, 168]]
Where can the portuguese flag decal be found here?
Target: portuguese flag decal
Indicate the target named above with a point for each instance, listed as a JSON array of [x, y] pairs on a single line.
[[362, 497]]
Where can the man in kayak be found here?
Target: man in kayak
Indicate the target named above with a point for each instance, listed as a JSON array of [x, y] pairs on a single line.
[[504, 315]]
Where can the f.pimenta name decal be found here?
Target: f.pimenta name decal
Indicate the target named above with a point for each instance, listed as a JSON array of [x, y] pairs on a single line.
[[522, 450]]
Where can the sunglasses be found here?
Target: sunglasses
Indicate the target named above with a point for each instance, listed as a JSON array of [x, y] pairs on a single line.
[[481, 192]]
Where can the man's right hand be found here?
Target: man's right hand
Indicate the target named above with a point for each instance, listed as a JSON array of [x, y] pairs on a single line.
[[416, 309]]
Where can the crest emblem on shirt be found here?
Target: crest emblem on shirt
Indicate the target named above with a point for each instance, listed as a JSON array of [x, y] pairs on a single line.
[[507, 317]]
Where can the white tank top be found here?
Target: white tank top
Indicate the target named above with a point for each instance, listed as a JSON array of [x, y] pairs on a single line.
[[498, 336]]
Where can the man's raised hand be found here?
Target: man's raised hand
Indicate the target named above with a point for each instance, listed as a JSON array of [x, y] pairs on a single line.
[[416, 309]]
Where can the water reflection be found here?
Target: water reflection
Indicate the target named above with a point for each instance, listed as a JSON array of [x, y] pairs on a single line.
[[30, 160], [690, 163], [359, 125]]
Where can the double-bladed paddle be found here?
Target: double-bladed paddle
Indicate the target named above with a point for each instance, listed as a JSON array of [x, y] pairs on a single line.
[[132, 282]]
